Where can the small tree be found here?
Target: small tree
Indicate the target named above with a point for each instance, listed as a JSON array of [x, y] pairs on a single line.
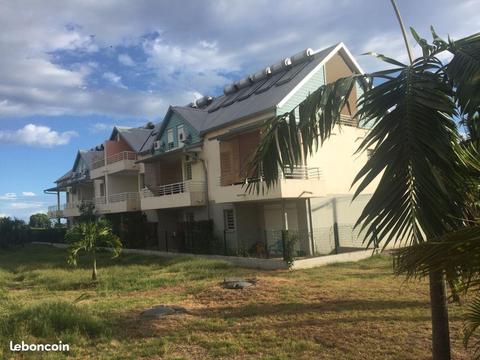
[[90, 236], [40, 221]]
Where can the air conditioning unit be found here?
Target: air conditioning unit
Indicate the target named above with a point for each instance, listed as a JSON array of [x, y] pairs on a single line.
[[156, 145]]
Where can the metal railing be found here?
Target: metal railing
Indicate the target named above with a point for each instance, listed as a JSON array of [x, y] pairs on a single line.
[[348, 120], [100, 200], [297, 173], [98, 164], [123, 197], [175, 188], [124, 155], [76, 204], [301, 173]]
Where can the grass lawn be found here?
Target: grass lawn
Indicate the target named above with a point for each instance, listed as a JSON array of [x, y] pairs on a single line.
[[346, 311]]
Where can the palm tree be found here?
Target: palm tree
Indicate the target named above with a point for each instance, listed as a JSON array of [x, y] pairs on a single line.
[[424, 172], [90, 236]]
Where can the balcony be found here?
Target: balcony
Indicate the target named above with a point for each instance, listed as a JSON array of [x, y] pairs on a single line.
[[301, 182], [122, 161], [116, 203], [176, 195], [54, 212], [72, 209]]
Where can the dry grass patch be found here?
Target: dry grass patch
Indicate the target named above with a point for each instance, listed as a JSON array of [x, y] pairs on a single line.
[[348, 311]]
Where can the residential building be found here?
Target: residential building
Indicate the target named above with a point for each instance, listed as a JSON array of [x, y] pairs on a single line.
[[192, 167], [77, 186]]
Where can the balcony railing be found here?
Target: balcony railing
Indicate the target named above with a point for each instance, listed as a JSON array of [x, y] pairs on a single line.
[[100, 200], [348, 120], [54, 208], [175, 188], [76, 204], [124, 155], [98, 164], [297, 173], [123, 197]]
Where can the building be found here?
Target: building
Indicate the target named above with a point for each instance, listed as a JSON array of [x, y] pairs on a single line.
[[191, 168]]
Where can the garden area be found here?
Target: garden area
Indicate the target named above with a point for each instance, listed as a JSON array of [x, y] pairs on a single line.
[[344, 311]]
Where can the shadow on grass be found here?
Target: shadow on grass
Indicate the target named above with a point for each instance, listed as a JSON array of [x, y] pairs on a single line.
[[338, 306]]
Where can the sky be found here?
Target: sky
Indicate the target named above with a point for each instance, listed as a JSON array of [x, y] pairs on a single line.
[[71, 70]]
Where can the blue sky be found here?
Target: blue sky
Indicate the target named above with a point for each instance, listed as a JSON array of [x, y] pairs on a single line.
[[71, 70]]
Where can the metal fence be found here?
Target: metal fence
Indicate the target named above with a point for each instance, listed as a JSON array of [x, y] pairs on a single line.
[[260, 243]]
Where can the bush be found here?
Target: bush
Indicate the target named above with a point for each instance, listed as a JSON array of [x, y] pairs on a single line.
[[13, 232], [52, 319], [53, 235]]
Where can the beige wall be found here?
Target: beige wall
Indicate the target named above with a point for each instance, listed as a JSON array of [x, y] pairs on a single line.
[[338, 162], [122, 183]]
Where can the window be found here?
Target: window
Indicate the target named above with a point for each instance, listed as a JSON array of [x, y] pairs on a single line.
[[170, 143], [229, 220], [142, 181], [188, 171], [180, 135], [102, 189]]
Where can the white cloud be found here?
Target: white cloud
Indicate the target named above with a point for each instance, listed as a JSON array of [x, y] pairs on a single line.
[[28, 193], [36, 135], [8, 196], [25, 205], [228, 37], [126, 60], [114, 79], [4, 215]]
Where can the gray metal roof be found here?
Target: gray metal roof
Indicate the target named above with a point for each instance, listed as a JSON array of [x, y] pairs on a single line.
[[251, 100], [65, 176], [147, 145]]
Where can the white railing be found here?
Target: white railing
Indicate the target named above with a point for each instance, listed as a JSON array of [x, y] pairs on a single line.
[[98, 164], [124, 155], [298, 173], [100, 200], [301, 173], [175, 188], [76, 204], [123, 197], [348, 120]]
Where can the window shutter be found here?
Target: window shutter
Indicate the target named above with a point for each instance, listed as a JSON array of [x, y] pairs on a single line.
[[226, 163], [247, 146]]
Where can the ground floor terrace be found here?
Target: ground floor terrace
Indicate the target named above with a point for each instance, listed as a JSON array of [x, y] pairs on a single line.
[[264, 229]]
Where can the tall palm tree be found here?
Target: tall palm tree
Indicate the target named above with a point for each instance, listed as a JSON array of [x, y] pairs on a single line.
[[90, 236], [424, 172]]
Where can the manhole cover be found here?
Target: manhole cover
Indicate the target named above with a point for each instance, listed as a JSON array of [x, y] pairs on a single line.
[[162, 310]]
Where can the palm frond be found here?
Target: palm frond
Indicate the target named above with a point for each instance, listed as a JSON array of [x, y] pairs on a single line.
[[286, 137], [472, 323], [455, 253], [464, 71], [419, 167]]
